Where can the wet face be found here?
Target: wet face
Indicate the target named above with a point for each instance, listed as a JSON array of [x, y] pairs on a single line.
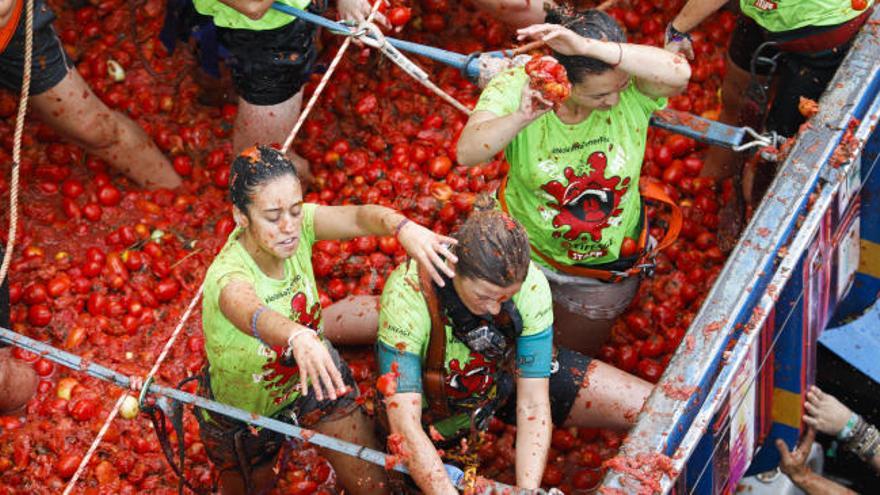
[[481, 297], [273, 220], [599, 91]]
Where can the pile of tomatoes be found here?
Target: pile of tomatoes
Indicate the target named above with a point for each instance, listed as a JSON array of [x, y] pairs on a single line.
[[105, 270]]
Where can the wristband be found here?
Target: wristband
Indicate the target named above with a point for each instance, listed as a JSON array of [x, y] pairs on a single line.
[[254, 332], [849, 428], [297, 334], [400, 226], [674, 35]]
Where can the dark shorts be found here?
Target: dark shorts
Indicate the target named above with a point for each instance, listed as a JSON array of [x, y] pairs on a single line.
[[231, 444], [269, 67], [799, 74], [49, 62], [566, 377]]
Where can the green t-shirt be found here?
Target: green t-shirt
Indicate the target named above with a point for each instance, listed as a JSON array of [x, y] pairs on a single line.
[[227, 17], [405, 329], [245, 373], [785, 15], [575, 187]]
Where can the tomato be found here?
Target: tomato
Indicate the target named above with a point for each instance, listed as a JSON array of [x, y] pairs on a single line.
[[650, 370], [336, 289], [439, 166], [39, 315], [109, 195], [626, 358], [72, 188], [67, 464], [386, 384], [44, 367], [549, 78], [35, 293], [389, 245], [167, 289], [552, 475], [653, 347], [629, 247], [368, 104], [83, 408], [92, 211], [183, 165], [562, 440], [585, 479], [859, 4]]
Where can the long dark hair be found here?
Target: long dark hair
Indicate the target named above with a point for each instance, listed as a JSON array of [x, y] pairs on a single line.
[[492, 246], [252, 168], [593, 24]]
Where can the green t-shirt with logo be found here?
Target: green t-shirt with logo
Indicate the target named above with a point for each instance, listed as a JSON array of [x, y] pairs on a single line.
[[245, 373], [227, 17], [405, 330], [785, 15], [575, 187]]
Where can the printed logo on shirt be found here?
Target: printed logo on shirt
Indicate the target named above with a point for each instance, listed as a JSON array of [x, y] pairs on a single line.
[[475, 378], [589, 202], [766, 5]]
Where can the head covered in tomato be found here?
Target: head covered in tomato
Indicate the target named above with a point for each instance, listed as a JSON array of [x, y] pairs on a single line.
[[493, 258], [595, 84], [267, 201]]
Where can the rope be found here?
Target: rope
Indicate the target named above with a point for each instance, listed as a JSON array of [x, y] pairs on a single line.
[[332, 68], [19, 131], [134, 384]]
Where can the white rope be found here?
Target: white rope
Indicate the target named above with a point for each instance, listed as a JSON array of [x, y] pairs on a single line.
[[320, 88], [136, 384], [19, 131]]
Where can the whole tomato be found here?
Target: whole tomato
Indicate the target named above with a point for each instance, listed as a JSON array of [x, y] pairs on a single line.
[[109, 195], [439, 166], [67, 464], [167, 289], [83, 408]]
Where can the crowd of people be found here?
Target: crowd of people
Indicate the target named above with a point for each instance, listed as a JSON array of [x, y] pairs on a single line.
[[500, 319]]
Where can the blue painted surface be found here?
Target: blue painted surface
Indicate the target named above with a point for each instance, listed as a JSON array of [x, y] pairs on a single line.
[[700, 485], [858, 342]]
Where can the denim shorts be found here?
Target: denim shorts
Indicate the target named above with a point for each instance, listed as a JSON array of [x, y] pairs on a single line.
[[49, 62]]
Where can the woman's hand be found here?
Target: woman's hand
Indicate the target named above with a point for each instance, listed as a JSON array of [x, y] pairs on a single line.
[[357, 11], [560, 39], [532, 104], [315, 362], [824, 412], [426, 247]]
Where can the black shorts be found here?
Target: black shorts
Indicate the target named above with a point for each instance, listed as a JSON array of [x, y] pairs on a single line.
[[566, 378], [799, 74], [269, 67], [229, 442], [49, 62]]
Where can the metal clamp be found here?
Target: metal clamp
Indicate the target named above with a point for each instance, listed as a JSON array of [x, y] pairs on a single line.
[[144, 388], [769, 140]]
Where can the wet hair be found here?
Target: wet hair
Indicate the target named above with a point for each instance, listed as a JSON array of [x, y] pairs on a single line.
[[593, 24], [251, 169], [492, 246]]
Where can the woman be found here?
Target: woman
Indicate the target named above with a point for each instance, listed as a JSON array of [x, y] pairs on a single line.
[[263, 326], [813, 39], [574, 170], [482, 346]]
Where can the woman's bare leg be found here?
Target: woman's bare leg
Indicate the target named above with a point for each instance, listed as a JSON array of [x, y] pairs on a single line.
[[609, 398], [353, 320], [73, 110], [356, 476]]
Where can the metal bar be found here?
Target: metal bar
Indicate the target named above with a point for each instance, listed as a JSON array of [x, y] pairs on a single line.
[[699, 128], [76, 363], [751, 265]]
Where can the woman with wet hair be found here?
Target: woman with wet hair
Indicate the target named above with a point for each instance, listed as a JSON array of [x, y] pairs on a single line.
[[481, 346], [264, 330], [574, 169]]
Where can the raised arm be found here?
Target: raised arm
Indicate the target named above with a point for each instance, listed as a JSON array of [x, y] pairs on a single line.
[[423, 245], [240, 305], [486, 134], [694, 13], [657, 72], [533, 429]]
